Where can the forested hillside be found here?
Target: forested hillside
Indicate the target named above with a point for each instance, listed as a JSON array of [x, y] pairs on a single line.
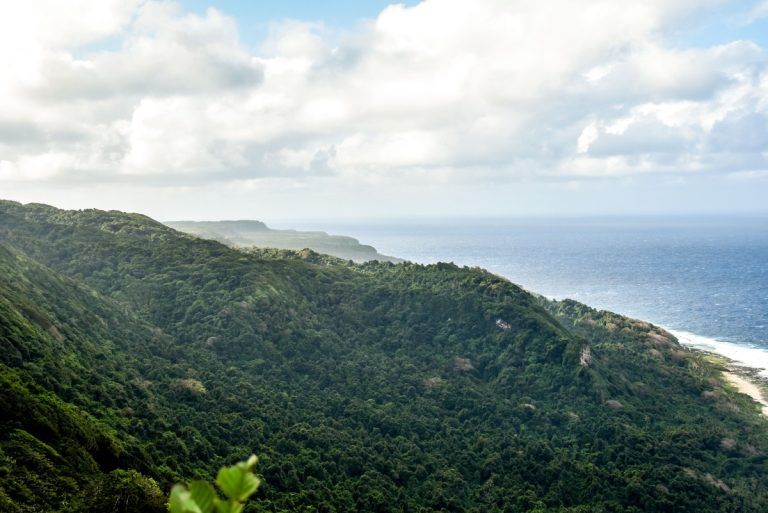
[[255, 233], [134, 356]]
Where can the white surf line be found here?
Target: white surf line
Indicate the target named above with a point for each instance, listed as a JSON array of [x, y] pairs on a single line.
[[742, 355]]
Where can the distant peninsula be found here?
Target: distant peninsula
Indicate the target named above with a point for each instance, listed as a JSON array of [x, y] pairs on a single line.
[[248, 233]]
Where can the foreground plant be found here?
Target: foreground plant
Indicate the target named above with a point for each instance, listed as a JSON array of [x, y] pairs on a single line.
[[237, 483]]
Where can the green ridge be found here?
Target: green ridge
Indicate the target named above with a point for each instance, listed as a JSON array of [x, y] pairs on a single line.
[[247, 233], [135, 356]]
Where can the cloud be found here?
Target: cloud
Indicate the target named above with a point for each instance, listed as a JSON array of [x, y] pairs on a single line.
[[444, 90], [166, 53], [758, 12]]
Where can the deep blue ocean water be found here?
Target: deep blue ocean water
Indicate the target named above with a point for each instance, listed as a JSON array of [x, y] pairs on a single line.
[[702, 276]]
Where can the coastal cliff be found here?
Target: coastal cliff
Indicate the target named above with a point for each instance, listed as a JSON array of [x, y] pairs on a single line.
[[248, 233]]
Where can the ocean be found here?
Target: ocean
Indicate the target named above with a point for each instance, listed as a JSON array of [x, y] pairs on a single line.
[[704, 279]]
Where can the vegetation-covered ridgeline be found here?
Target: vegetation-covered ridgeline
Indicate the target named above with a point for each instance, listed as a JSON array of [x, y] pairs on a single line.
[[133, 356], [247, 233]]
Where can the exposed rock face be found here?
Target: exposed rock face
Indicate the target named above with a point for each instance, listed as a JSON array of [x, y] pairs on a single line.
[[716, 482], [463, 365], [55, 333], [614, 405], [434, 382], [586, 356]]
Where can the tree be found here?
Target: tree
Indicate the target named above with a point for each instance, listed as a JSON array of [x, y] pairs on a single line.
[[124, 491]]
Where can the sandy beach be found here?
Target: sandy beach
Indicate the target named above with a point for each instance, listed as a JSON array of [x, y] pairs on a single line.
[[747, 387], [748, 366]]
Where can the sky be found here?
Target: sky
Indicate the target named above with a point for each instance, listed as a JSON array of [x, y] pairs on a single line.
[[306, 110]]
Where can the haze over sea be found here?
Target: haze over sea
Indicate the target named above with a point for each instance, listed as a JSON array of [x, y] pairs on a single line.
[[705, 279]]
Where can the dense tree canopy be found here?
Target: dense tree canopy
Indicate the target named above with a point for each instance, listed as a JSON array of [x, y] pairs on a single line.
[[133, 356]]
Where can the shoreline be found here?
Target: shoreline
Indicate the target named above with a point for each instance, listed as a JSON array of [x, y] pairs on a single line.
[[740, 371], [749, 387]]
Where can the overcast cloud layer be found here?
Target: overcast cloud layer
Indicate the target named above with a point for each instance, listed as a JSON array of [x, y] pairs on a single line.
[[131, 95]]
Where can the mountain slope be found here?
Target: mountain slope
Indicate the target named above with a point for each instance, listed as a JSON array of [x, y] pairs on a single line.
[[65, 353], [373, 387]]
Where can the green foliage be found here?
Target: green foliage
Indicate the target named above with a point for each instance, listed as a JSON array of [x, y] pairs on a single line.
[[124, 491], [128, 347], [237, 482], [256, 233]]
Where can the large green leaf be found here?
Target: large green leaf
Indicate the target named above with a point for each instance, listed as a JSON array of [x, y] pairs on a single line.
[[237, 482], [203, 494], [181, 501], [228, 507]]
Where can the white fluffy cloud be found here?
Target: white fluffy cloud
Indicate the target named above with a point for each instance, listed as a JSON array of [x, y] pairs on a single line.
[[446, 90]]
